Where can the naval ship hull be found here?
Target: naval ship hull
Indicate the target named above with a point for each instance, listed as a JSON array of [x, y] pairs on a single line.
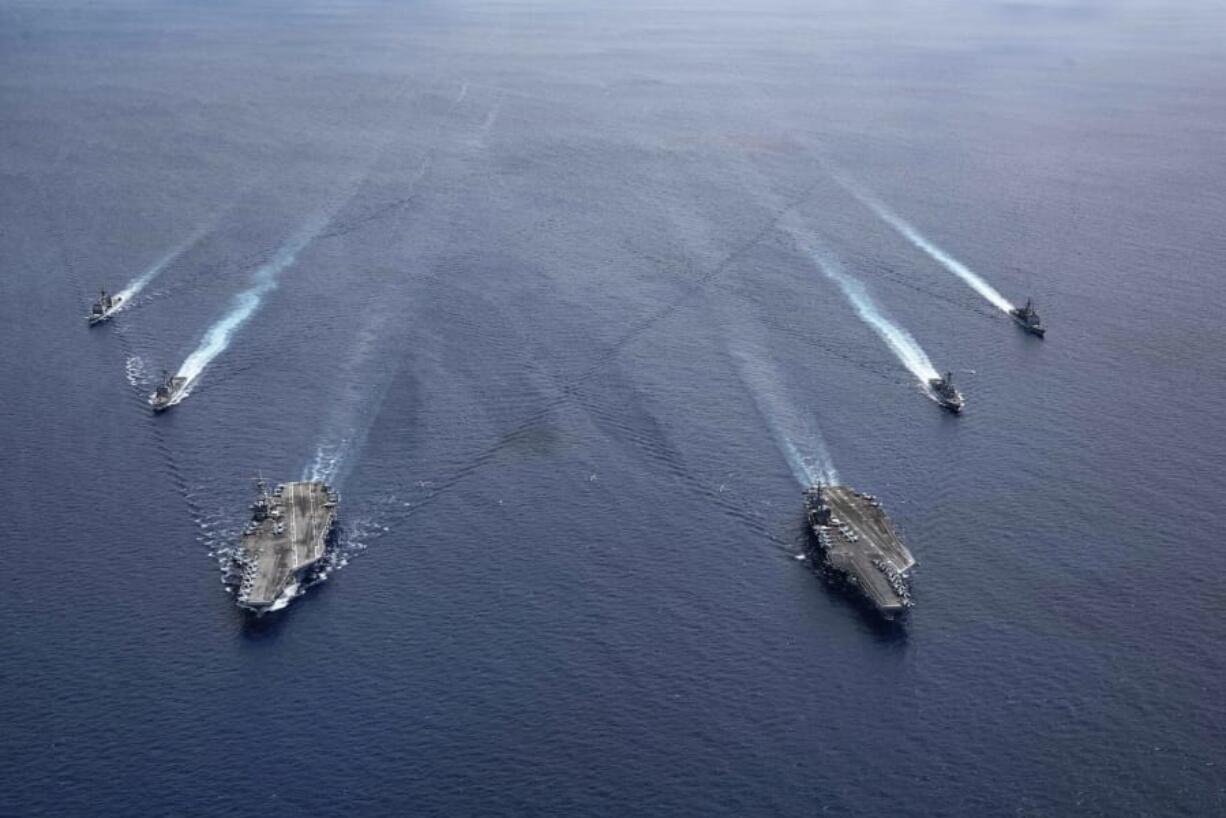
[[95, 318], [167, 395], [951, 406], [285, 545], [1033, 330], [857, 547], [944, 393]]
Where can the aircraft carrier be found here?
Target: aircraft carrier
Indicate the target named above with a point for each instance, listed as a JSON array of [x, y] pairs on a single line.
[[284, 544], [859, 546]]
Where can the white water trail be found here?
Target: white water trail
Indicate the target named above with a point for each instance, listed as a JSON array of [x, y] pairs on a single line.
[[355, 409], [908, 231], [796, 433], [264, 280], [900, 342], [140, 282], [136, 371]]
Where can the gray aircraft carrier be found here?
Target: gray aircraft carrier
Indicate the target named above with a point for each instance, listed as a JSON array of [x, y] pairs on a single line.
[[859, 545], [284, 543]]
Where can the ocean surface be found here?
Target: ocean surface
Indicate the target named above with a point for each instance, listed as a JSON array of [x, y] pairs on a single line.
[[570, 299]]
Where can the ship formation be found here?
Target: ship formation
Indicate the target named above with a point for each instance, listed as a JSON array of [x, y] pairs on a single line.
[[283, 547], [857, 546]]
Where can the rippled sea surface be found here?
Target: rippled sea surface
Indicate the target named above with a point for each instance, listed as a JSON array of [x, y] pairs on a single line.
[[569, 299]]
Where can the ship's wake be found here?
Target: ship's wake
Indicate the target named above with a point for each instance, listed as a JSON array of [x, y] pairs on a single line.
[[899, 341], [334, 458], [352, 538], [263, 281], [326, 463], [795, 433], [128, 293], [136, 371], [908, 231], [355, 409]]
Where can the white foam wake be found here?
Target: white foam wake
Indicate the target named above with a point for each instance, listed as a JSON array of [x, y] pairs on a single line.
[[335, 456], [795, 432], [356, 406], [264, 280], [899, 341], [918, 239], [324, 466], [136, 370], [140, 282]]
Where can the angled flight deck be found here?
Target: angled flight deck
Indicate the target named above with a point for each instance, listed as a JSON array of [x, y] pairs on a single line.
[[858, 544], [284, 543]]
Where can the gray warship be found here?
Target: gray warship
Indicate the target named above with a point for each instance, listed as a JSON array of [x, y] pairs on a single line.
[[945, 393], [284, 545], [168, 393], [859, 546], [1029, 319], [102, 309]]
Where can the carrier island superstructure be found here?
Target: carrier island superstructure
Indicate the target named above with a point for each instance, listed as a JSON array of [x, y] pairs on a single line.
[[284, 545], [858, 545]]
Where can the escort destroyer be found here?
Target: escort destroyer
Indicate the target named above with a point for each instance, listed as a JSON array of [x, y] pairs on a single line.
[[1028, 319], [102, 309], [945, 393], [168, 393]]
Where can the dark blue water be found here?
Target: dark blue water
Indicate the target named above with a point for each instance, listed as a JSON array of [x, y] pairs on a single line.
[[542, 298]]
